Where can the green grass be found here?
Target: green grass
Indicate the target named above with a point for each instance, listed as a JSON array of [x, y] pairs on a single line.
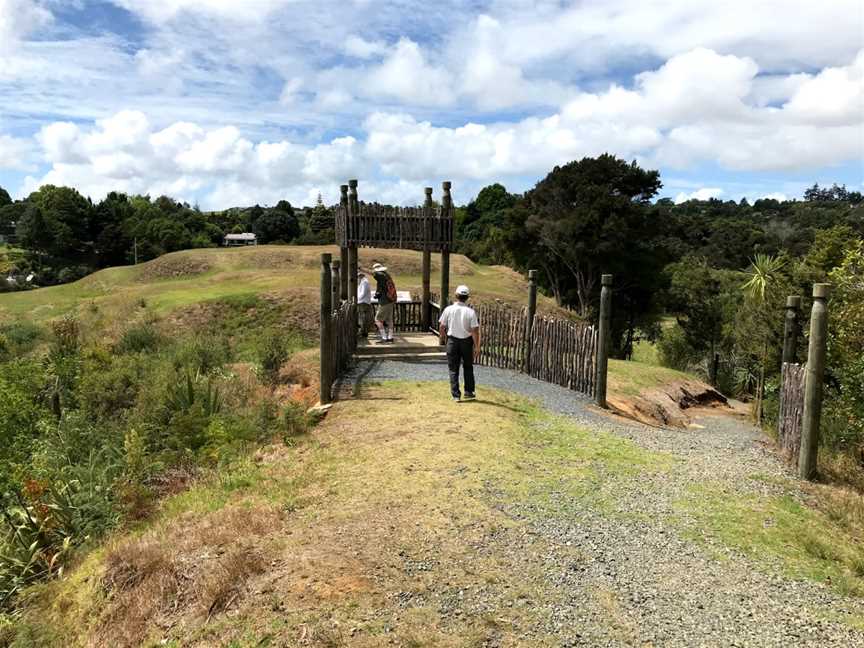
[[777, 530], [631, 378], [219, 273]]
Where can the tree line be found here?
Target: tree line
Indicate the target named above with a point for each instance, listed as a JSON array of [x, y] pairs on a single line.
[[65, 236]]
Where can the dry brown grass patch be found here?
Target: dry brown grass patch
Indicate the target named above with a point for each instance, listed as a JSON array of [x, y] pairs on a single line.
[[192, 569]]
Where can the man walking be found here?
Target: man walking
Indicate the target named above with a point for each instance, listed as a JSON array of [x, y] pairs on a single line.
[[461, 328], [385, 293], [364, 305]]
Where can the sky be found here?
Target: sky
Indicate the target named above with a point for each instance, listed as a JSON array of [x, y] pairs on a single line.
[[235, 102]]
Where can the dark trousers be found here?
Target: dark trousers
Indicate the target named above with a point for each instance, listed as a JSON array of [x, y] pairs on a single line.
[[460, 351]]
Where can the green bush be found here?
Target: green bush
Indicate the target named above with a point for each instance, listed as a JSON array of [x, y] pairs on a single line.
[[674, 350], [272, 352], [109, 389], [138, 338], [203, 354], [295, 419], [21, 337]]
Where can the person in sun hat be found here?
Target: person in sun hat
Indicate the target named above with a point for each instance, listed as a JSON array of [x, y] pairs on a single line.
[[385, 293], [459, 326]]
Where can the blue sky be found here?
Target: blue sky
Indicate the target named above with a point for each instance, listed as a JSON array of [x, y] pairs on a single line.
[[227, 103]]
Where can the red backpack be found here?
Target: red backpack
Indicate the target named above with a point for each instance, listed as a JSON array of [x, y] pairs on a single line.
[[391, 289]]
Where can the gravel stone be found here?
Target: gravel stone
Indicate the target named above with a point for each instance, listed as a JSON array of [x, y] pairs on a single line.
[[628, 576]]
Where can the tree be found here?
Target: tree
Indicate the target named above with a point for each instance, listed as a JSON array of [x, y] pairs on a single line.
[[57, 223], [5, 198], [846, 348], [277, 224], [764, 293], [322, 218], [585, 213]]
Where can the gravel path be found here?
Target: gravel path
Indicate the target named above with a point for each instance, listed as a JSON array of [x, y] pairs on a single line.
[[639, 581]]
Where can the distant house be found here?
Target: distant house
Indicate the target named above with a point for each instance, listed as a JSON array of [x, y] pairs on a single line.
[[236, 240]]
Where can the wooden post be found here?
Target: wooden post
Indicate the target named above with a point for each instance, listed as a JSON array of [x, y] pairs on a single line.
[[343, 276], [336, 282], [603, 335], [326, 365], [807, 459], [529, 321], [426, 312], [353, 262], [791, 328], [447, 204]]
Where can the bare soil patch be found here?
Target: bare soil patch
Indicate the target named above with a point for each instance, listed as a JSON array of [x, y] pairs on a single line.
[[669, 405]]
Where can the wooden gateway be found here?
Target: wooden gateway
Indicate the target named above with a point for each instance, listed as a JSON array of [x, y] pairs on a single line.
[[428, 228]]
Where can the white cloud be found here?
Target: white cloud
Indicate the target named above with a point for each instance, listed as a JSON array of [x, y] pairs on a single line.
[[405, 74], [705, 193], [779, 196], [162, 10], [15, 153], [18, 19], [360, 48]]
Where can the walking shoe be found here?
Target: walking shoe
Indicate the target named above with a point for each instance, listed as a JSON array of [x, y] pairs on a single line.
[[469, 396], [456, 399], [381, 341]]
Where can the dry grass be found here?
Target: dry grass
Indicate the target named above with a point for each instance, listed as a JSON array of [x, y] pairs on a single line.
[[183, 573]]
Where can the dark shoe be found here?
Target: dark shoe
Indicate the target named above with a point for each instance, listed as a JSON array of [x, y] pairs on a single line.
[[380, 341], [470, 396], [456, 399]]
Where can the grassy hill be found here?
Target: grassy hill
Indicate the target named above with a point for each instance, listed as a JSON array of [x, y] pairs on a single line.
[[183, 279]]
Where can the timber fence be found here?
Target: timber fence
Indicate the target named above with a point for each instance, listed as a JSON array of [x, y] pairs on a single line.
[[344, 337], [554, 350], [790, 416]]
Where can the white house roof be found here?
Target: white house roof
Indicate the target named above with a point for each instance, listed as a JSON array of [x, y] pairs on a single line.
[[245, 236]]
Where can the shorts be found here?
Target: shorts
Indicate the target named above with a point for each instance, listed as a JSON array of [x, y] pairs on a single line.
[[385, 313]]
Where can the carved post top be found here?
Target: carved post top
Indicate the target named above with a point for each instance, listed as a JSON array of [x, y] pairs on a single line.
[[352, 184], [446, 200], [532, 275], [821, 290], [793, 301], [335, 264], [606, 280], [326, 257]]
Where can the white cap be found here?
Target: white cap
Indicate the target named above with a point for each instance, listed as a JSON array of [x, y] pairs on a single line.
[[379, 268], [463, 290]]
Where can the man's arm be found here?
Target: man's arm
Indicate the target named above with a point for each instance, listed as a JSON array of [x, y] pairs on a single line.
[[475, 333]]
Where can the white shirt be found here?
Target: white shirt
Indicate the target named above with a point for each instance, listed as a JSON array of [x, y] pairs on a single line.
[[364, 292], [460, 319]]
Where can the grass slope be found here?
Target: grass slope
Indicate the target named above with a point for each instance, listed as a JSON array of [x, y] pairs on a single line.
[[183, 279]]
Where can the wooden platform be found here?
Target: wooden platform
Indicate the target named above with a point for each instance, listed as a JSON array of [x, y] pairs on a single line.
[[405, 345]]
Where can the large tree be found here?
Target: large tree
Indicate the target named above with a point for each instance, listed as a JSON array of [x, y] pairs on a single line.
[[586, 215], [277, 224]]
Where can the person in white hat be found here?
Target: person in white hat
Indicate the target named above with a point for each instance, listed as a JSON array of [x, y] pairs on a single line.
[[459, 326]]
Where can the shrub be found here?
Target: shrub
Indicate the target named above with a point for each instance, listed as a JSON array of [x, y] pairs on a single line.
[[272, 352], [674, 350], [21, 337], [107, 390], [295, 419], [140, 337], [203, 354]]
